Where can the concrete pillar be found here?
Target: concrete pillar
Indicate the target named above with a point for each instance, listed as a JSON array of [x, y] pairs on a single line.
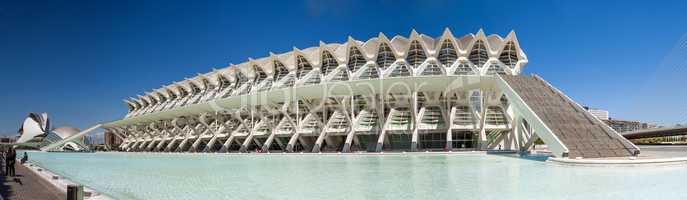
[[251, 131], [380, 141], [498, 141], [123, 145], [196, 143], [482, 131], [171, 145], [211, 143], [320, 139], [227, 144], [304, 143], [382, 122], [356, 140], [483, 142], [349, 141], [182, 146], [513, 141], [449, 139], [530, 142], [152, 144], [161, 144], [268, 142], [323, 133], [292, 142], [135, 145], [203, 122], [449, 124], [294, 137], [132, 144], [280, 143], [139, 145], [246, 142], [349, 137], [257, 141], [194, 146], [128, 145], [524, 136], [145, 145], [414, 118]]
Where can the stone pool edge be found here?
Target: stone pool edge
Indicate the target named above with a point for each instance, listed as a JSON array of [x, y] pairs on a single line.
[[619, 162], [61, 182], [313, 154]]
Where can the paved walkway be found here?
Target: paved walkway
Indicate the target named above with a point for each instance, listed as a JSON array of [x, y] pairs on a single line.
[[27, 185], [662, 151]]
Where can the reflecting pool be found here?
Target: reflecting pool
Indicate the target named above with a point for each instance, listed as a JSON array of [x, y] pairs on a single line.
[[409, 176]]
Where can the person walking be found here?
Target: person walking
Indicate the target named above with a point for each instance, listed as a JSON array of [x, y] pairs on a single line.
[[5, 155], [11, 159]]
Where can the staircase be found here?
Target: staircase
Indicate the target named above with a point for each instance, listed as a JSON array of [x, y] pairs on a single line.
[[581, 133]]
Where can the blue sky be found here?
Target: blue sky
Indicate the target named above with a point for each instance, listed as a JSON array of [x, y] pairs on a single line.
[[77, 60]]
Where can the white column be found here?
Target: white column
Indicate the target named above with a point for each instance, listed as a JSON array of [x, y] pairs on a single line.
[[323, 132], [415, 120], [382, 132], [351, 133]]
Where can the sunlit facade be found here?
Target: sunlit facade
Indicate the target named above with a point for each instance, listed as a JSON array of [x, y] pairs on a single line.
[[415, 93]]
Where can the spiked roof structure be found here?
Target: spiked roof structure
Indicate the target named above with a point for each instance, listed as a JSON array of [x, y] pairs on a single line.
[[494, 46]]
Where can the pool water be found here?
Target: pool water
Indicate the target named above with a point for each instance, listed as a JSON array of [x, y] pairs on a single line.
[[409, 176]]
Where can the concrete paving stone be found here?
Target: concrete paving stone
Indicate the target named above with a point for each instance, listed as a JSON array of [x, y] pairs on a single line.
[[27, 185]]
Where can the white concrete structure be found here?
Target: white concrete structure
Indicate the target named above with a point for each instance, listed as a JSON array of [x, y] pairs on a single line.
[[36, 128], [599, 113], [59, 134], [34, 125], [398, 94], [68, 139]]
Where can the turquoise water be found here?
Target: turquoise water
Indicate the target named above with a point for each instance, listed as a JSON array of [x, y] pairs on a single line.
[[416, 176]]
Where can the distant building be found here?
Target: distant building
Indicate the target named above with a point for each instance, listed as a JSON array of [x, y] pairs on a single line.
[[598, 113], [111, 140], [625, 125], [94, 139], [7, 140], [618, 125], [652, 125]]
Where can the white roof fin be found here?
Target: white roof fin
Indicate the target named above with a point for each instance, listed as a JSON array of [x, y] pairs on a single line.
[[414, 34]]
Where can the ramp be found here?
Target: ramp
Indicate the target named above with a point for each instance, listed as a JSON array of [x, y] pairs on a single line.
[[561, 121], [73, 137]]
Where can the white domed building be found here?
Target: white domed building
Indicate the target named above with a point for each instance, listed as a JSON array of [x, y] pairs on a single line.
[[36, 128], [62, 133]]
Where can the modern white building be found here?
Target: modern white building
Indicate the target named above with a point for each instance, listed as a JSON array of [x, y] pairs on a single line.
[[62, 133], [598, 113], [416, 93], [37, 129], [35, 125]]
